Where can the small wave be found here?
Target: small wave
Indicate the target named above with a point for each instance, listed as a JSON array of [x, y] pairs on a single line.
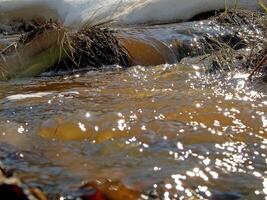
[[26, 96]]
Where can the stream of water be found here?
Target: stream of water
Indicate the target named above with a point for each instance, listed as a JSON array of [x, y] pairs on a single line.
[[170, 126], [169, 130]]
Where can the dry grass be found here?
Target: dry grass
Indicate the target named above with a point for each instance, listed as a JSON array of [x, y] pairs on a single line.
[[249, 51], [91, 47]]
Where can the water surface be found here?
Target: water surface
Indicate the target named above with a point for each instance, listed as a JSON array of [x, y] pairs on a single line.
[[169, 128]]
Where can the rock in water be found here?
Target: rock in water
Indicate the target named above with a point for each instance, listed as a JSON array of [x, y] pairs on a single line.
[[34, 55], [11, 189], [52, 47]]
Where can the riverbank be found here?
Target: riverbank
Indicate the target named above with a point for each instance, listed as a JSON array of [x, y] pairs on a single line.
[[238, 42]]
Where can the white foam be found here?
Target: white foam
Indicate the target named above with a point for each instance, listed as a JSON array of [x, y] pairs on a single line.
[[76, 12], [26, 96]]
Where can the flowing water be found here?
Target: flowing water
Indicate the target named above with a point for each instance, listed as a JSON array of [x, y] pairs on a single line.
[[170, 128], [171, 131]]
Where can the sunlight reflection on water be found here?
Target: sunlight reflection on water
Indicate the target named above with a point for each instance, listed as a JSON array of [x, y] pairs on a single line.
[[169, 130]]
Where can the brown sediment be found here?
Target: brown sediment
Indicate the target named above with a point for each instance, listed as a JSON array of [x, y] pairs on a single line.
[[70, 131], [63, 130]]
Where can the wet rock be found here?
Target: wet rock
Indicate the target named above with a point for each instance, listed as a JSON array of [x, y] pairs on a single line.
[[11, 188], [94, 194], [110, 190], [51, 47], [32, 56], [12, 192]]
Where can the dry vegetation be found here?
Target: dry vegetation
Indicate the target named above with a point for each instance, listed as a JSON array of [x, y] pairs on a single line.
[[58, 49], [93, 47], [247, 50], [96, 46]]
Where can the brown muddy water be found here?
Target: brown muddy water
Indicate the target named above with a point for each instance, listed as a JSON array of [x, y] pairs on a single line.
[[170, 131]]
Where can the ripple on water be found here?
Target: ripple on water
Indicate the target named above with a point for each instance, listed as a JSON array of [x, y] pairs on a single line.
[[169, 130]]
